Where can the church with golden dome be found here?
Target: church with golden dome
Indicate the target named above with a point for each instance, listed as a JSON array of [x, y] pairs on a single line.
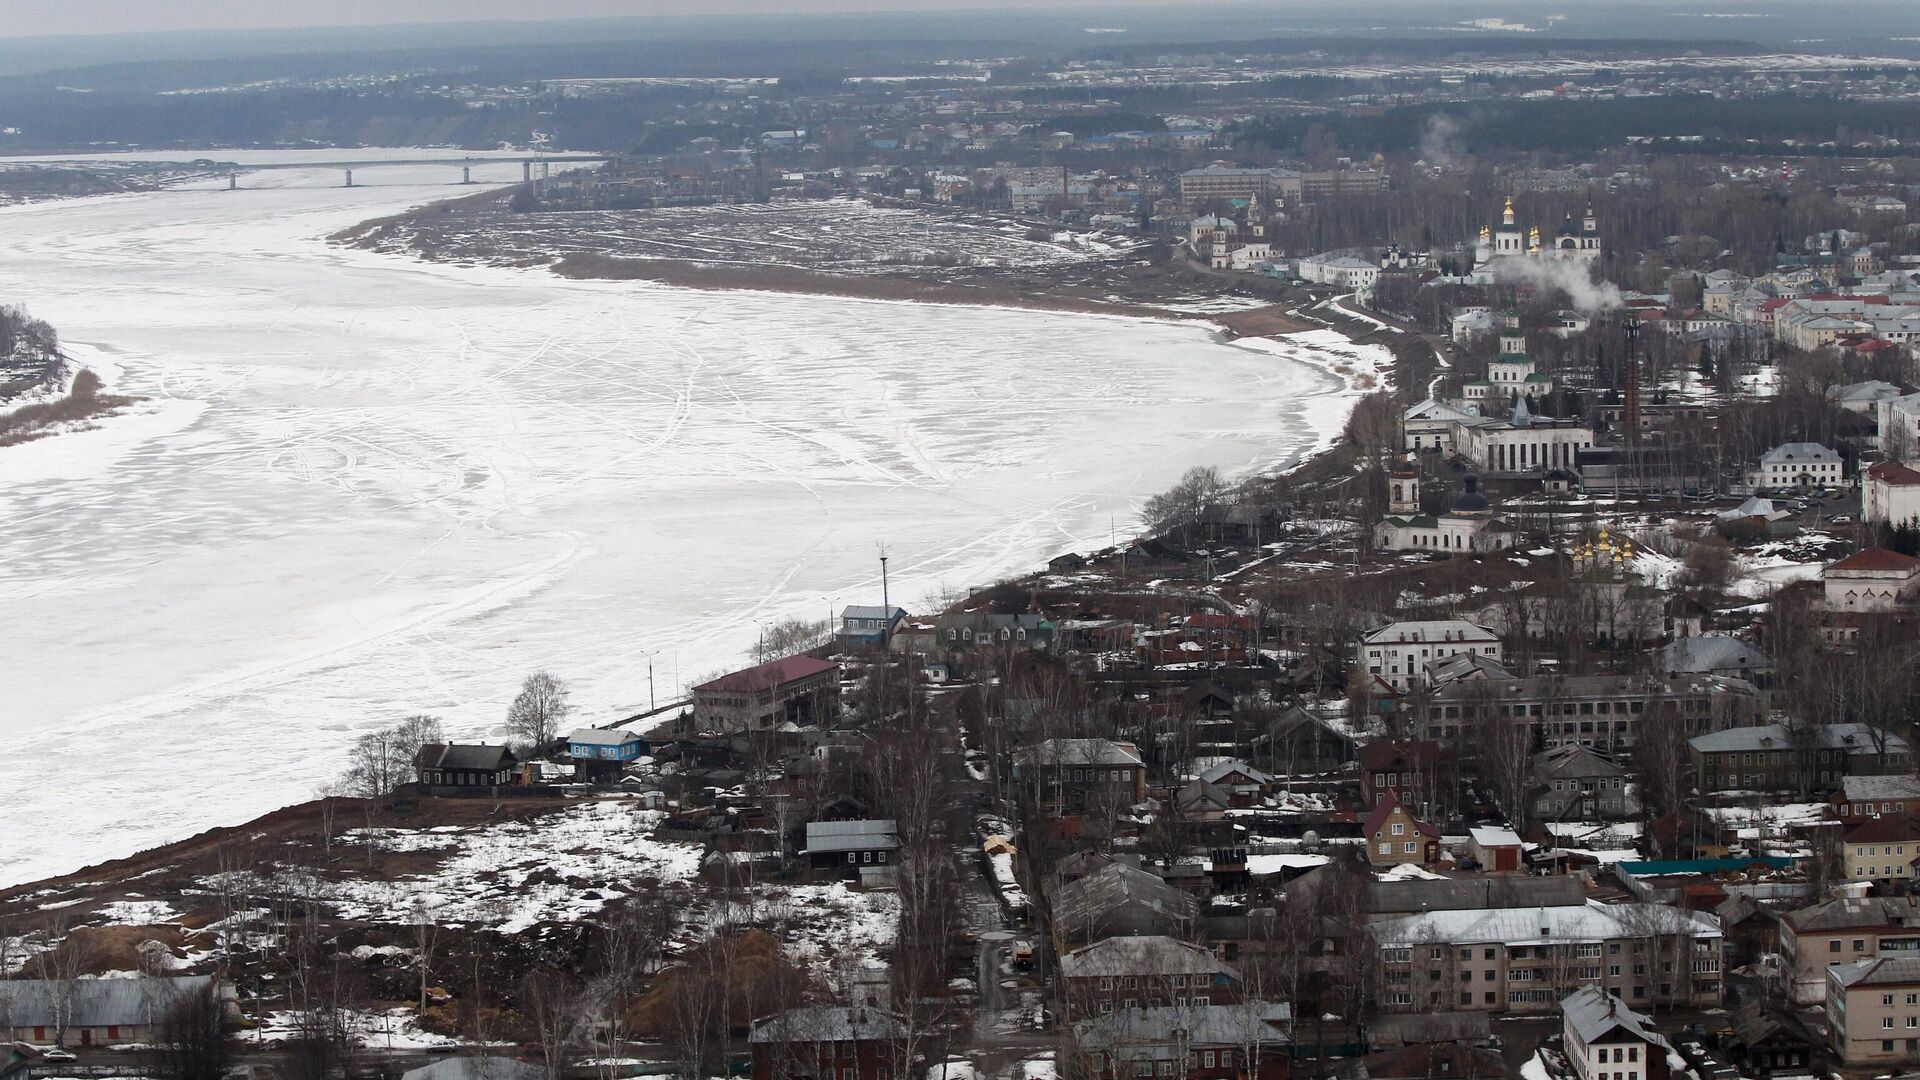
[[1579, 242]]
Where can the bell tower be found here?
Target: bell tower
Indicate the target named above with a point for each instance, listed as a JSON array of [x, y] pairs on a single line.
[[1511, 339], [1403, 489]]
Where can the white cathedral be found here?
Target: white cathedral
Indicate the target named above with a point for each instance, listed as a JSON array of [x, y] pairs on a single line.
[[1580, 242]]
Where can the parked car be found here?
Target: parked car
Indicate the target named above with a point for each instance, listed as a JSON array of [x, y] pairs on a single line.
[[57, 1055], [1842, 519]]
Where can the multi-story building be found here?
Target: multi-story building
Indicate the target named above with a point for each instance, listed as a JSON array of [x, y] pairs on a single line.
[[1882, 850], [1432, 424], [1799, 465], [1604, 712], [1338, 183], [1147, 972], [1605, 1040], [1525, 960], [1075, 773], [1412, 771], [1843, 930], [1398, 653], [1247, 1041], [1873, 1010], [1576, 783], [1774, 757], [795, 689], [1890, 492], [1222, 182]]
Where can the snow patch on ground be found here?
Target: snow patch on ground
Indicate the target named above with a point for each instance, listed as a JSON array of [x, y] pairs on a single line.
[[508, 877]]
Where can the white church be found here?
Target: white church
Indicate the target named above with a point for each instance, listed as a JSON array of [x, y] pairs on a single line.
[[1468, 529], [1579, 242], [1511, 374]]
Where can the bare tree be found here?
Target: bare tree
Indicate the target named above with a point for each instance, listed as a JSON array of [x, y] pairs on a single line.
[[535, 716], [192, 1041], [60, 965], [375, 768], [328, 795], [1182, 507], [551, 1000], [426, 937], [790, 636]]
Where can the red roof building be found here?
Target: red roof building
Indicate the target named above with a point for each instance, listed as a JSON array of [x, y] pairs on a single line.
[[799, 690], [1874, 580], [1890, 492]]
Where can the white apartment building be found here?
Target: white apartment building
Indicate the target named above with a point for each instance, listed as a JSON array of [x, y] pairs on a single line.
[[1890, 492], [1799, 465], [1605, 1040], [1398, 653]]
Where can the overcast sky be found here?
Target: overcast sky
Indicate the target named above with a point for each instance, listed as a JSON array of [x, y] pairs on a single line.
[[25, 18]]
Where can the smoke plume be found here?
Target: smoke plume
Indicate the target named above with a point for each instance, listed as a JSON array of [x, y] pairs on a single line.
[[1440, 141], [1587, 296]]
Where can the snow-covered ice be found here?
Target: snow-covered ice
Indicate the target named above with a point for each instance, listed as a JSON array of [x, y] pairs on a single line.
[[365, 486]]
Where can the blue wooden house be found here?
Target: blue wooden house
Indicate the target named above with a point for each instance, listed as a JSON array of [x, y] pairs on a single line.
[[602, 753], [868, 626]]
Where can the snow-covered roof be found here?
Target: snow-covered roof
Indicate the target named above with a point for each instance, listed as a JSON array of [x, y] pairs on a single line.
[[466, 1067], [1147, 955], [827, 1024], [1435, 630], [588, 736], [1868, 788], [1711, 652], [1777, 737], [1492, 836], [93, 1002], [1799, 452], [1592, 1014], [1592, 921], [1055, 752]]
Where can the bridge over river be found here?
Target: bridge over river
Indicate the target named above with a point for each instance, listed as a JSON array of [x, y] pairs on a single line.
[[543, 163]]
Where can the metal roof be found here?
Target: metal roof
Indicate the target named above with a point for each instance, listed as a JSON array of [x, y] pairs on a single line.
[[485, 1067], [95, 1002], [827, 1024], [588, 736], [868, 835], [1545, 925], [468, 756], [1591, 1013], [1147, 955]]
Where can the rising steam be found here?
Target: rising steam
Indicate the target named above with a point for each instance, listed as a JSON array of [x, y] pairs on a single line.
[[1587, 296]]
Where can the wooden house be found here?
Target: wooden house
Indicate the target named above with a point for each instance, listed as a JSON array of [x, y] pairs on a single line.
[[464, 769]]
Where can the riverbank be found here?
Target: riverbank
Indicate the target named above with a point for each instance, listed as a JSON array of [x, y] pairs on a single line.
[[834, 247]]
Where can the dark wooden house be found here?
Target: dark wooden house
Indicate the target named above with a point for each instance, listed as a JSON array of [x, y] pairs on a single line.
[[460, 768]]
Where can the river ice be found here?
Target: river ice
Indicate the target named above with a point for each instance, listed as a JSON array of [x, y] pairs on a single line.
[[366, 486]]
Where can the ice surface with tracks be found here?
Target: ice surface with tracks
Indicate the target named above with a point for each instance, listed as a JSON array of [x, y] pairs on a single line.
[[365, 486]]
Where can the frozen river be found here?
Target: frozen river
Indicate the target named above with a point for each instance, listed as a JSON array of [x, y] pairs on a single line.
[[367, 487]]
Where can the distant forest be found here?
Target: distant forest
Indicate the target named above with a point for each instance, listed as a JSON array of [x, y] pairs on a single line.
[[1584, 127], [413, 112]]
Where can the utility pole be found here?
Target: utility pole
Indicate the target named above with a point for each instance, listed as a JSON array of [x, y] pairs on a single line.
[[886, 604]]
